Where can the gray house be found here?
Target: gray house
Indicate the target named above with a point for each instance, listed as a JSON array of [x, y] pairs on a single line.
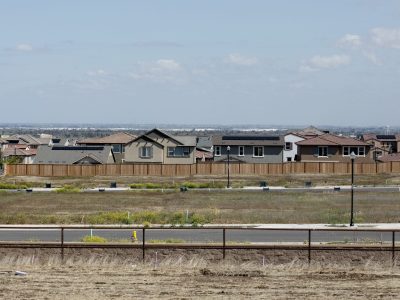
[[248, 149], [73, 155]]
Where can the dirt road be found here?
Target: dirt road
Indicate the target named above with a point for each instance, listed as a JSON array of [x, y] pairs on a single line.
[[114, 276]]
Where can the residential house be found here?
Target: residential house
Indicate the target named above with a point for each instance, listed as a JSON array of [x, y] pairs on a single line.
[[21, 153], [73, 155], [389, 157], [290, 152], [159, 147], [117, 141], [25, 140], [333, 148], [204, 149], [382, 144], [248, 149]]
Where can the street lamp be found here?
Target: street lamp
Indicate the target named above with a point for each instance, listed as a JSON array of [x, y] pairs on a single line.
[[352, 157], [228, 150]]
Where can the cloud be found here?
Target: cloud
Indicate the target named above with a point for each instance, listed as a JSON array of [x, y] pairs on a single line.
[[350, 41], [386, 37], [240, 60], [24, 47], [162, 70], [168, 64], [98, 72], [325, 62], [372, 58]]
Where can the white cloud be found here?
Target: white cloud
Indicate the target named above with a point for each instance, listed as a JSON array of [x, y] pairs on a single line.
[[386, 37], [241, 60], [98, 72], [162, 70], [168, 64], [24, 47], [372, 57], [325, 62], [350, 40]]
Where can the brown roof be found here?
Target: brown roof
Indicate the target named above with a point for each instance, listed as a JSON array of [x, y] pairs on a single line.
[[19, 152], [309, 132], [116, 138], [390, 157], [203, 154], [256, 140], [331, 140]]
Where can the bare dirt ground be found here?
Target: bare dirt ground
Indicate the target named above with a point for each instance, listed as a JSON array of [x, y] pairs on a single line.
[[115, 274]]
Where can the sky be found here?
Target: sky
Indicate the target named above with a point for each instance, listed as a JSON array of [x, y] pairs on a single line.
[[200, 62]]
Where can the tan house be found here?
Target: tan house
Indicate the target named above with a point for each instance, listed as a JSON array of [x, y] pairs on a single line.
[[382, 144], [158, 147], [117, 141], [333, 148]]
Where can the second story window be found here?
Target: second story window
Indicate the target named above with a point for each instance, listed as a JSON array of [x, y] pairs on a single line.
[[217, 151], [116, 148], [146, 152], [322, 151], [288, 146]]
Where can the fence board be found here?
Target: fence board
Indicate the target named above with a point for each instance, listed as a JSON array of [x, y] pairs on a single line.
[[59, 170]]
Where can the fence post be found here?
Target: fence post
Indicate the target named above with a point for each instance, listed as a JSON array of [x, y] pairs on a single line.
[[223, 243], [143, 243], [393, 247], [62, 244], [309, 245]]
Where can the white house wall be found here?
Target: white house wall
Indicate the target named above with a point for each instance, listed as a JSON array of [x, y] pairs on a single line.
[[291, 138]]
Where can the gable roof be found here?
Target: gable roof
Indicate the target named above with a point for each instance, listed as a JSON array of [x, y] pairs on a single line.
[[71, 154], [28, 139], [247, 140], [16, 151], [163, 134], [116, 138], [309, 132], [328, 139]]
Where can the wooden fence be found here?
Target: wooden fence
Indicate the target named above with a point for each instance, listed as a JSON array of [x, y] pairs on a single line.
[[198, 169]]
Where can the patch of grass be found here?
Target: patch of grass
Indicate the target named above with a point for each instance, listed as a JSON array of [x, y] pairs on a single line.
[[11, 186], [68, 189], [94, 239]]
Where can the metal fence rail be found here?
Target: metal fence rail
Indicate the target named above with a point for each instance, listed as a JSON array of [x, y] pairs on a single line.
[[223, 246]]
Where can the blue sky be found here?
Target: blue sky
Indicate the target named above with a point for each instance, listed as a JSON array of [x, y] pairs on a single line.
[[205, 62]]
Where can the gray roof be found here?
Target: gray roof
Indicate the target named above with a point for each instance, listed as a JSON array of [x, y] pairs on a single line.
[[73, 154], [204, 142], [247, 140], [28, 139]]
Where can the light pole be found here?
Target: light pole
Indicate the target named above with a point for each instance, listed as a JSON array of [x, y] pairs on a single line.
[[352, 157], [228, 150]]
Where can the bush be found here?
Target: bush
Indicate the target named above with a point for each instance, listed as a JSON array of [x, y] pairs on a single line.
[[94, 239], [10, 186]]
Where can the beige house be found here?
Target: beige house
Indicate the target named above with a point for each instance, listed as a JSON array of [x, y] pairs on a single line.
[[117, 141], [382, 144], [332, 148], [158, 147]]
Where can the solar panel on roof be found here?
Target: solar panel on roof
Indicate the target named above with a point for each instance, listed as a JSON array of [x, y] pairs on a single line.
[[79, 148], [386, 137], [250, 138]]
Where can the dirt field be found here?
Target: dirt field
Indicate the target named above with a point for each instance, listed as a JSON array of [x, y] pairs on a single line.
[[114, 275]]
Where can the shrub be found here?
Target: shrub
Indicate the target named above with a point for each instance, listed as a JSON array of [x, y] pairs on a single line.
[[10, 186], [94, 239]]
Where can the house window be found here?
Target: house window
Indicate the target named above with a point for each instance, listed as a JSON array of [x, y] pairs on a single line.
[[258, 151], [241, 151], [217, 151], [323, 151], [146, 152], [358, 151], [116, 148], [288, 146], [178, 151]]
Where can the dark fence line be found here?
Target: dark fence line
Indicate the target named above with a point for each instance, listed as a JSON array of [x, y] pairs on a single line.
[[185, 170], [223, 246]]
